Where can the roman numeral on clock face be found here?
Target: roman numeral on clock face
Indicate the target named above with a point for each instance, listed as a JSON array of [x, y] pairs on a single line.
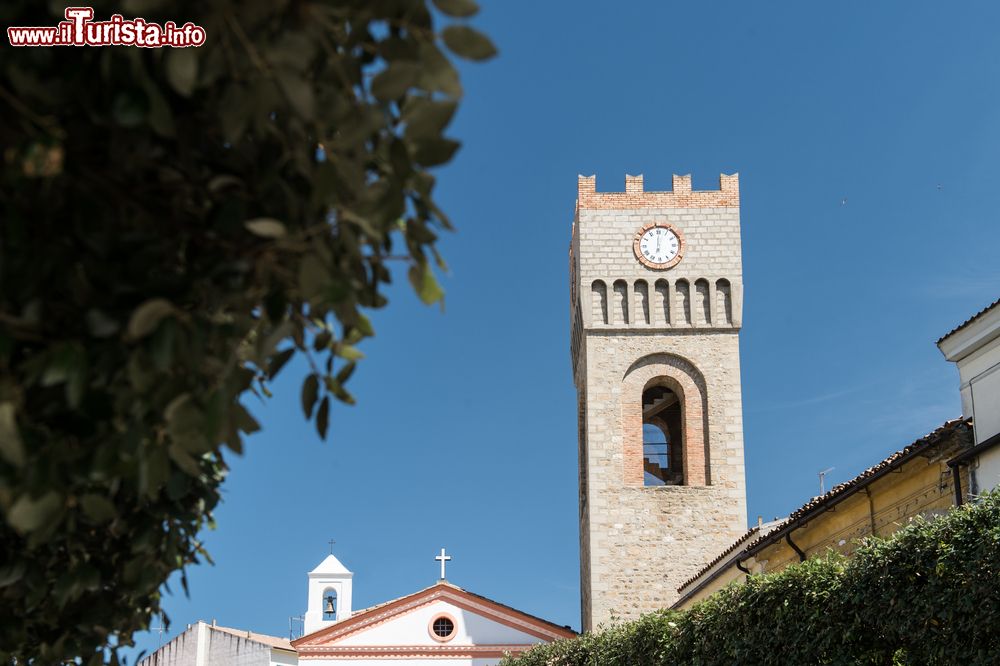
[[659, 245]]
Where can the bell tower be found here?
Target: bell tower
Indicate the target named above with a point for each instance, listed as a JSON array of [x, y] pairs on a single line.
[[329, 597], [656, 286]]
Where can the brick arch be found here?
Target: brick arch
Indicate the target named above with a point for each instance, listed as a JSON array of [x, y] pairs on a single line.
[[683, 378]]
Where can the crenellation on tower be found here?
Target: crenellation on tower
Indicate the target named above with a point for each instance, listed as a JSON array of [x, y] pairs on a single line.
[[656, 309], [682, 196], [682, 184]]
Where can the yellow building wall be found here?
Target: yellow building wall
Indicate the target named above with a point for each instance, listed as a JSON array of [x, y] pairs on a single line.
[[920, 487]]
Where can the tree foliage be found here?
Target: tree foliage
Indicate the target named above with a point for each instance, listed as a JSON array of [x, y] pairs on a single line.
[[177, 224], [926, 595]]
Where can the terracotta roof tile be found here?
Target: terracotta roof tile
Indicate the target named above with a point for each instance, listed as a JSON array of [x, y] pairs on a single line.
[[718, 558]]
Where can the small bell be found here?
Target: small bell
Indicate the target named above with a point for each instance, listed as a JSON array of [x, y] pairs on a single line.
[[329, 606]]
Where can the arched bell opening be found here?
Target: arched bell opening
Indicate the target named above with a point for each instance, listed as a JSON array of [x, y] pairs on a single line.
[[329, 604], [662, 437]]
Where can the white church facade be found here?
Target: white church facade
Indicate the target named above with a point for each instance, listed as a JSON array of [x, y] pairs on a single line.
[[443, 625]]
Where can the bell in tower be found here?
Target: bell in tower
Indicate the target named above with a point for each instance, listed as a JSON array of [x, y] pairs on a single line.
[[330, 606]]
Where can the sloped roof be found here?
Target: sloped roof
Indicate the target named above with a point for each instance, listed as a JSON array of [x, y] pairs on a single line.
[[273, 641], [752, 541], [968, 321], [718, 558], [442, 590], [330, 566]]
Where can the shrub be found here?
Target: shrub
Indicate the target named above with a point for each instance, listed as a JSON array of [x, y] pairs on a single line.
[[926, 595]]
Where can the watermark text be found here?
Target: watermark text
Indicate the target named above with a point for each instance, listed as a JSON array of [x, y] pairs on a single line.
[[80, 29]]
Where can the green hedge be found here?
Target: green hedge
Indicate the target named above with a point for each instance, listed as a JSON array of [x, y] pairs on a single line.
[[929, 594]]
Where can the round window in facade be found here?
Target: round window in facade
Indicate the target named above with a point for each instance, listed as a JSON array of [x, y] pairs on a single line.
[[442, 627]]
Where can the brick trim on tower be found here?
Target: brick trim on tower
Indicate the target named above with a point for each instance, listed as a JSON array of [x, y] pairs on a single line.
[[634, 196], [681, 377]]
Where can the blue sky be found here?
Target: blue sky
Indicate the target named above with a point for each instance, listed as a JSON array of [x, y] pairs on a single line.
[[866, 136]]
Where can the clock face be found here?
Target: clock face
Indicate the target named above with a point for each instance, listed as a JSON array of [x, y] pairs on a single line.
[[659, 245]]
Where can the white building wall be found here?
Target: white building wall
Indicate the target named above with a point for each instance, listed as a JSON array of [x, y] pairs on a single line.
[[987, 474], [984, 389], [975, 349], [407, 662], [284, 658], [413, 629], [199, 645], [985, 394], [228, 650], [182, 650]]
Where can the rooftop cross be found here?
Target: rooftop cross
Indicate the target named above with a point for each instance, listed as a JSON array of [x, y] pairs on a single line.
[[331, 542], [159, 630], [442, 558]]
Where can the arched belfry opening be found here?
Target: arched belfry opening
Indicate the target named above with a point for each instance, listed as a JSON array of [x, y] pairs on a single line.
[[662, 437], [664, 407], [329, 604]]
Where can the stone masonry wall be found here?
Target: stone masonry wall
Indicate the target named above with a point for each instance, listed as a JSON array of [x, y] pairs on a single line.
[[638, 544]]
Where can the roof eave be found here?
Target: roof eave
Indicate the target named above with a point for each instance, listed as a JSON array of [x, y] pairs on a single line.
[[972, 334], [835, 497]]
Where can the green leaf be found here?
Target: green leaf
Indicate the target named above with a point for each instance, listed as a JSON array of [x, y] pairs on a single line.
[[160, 116], [100, 325], [11, 446], [182, 69], [12, 572], [98, 508], [154, 471], [468, 42], [363, 324], [439, 74], [393, 82], [28, 514], [183, 460], [299, 93], [278, 361], [426, 118], [310, 391], [276, 305], [433, 152], [161, 345], [457, 8], [349, 353], [266, 227], [244, 420], [234, 114], [425, 284], [322, 340], [68, 363], [223, 182], [323, 417], [186, 424], [130, 107], [345, 373], [312, 276], [148, 316]]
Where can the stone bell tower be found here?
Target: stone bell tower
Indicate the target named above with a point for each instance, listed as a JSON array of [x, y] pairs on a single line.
[[656, 286]]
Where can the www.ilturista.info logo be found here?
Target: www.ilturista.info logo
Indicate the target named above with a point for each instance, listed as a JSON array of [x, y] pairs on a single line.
[[79, 29]]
